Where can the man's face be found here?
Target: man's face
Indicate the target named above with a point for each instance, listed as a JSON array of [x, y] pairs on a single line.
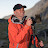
[[19, 12]]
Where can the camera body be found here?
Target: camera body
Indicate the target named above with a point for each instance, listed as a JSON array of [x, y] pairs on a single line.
[[33, 20]]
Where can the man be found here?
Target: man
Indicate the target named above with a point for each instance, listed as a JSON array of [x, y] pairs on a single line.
[[19, 34]]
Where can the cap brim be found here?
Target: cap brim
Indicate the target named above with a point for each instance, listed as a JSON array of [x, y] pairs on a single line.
[[24, 6]]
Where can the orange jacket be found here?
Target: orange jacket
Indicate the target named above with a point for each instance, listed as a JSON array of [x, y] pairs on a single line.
[[19, 35]]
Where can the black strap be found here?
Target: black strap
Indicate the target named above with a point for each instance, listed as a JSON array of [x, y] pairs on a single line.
[[30, 43]]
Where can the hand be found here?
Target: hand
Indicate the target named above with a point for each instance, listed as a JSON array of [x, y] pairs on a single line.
[[29, 21], [41, 43]]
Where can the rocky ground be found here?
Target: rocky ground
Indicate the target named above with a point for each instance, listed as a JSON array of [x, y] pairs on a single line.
[[3, 34]]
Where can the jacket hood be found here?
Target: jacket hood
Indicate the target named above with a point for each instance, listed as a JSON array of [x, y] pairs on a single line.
[[9, 20], [16, 20]]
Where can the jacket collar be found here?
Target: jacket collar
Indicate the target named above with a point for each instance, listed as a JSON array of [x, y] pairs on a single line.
[[16, 20]]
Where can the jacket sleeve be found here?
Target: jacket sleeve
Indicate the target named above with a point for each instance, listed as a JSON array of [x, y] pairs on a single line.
[[13, 31]]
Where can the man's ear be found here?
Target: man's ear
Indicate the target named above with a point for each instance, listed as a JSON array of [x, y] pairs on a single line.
[[15, 12]]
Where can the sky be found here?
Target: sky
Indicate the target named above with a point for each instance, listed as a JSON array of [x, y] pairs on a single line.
[[6, 6]]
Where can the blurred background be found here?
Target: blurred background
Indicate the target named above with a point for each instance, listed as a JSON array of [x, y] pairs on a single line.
[[37, 9]]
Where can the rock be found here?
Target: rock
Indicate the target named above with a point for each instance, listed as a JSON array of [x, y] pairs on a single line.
[[3, 43]]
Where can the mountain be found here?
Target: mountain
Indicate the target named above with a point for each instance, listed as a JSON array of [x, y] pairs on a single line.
[[40, 8], [7, 17]]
